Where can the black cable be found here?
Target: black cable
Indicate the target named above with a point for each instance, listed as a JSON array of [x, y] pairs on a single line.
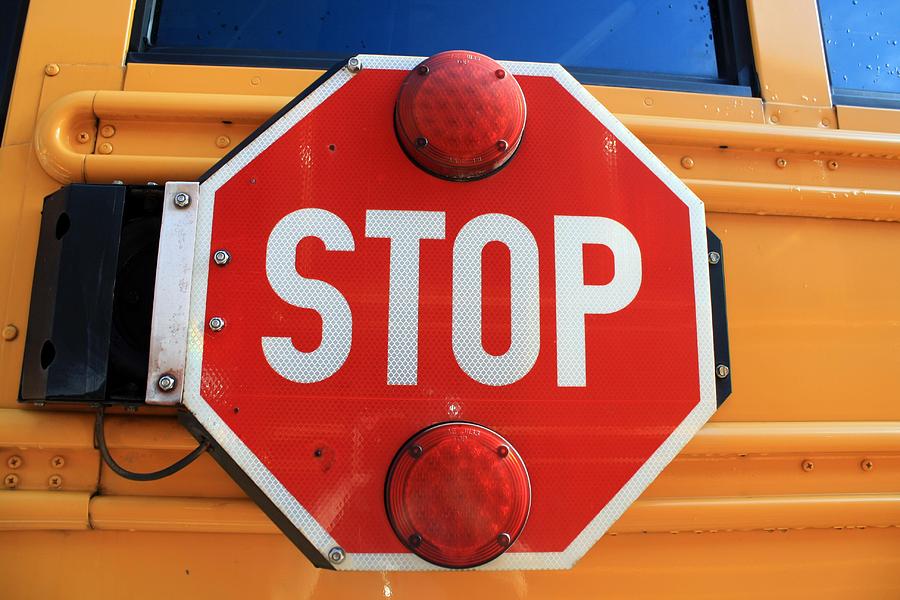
[[100, 438]]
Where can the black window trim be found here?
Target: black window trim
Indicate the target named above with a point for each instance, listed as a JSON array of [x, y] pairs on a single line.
[[19, 10], [731, 31]]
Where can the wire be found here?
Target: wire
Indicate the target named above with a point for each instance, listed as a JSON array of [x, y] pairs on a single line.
[[100, 438]]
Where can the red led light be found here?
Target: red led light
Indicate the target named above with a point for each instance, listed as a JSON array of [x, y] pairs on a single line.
[[460, 115], [458, 495]]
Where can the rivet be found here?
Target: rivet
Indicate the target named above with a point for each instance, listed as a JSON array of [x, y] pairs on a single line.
[[14, 461], [105, 148], [217, 323], [336, 555], [415, 451], [415, 540], [826, 122], [83, 137], [221, 257], [648, 101], [10, 332], [722, 371], [167, 383], [423, 69], [57, 462], [687, 162], [11, 481], [223, 141], [866, 465], [118, 182], [781, 162], [108, 131], [808, 465], [55, 482], [502, 451], [354, 65], [774, 118], [504, 540], [182, 200], [421, 142], [502, 145], [714, 257], [255, 80], [833, 165], [500, 73], [52, 70]]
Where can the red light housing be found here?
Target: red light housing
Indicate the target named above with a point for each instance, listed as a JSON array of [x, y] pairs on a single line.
[[458, 495], [460, 115]]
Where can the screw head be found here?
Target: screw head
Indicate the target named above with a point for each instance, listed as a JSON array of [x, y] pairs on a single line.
[[354, 65], [14, 461], [866, 465], [500, 73], [216, 323], [337, 555], [722, 371], [423, 70], [182, 200], [502, 145], [57, 462], [421, 142], [105, 148], [10, 332], [55, 482], [167, 383], [832, 165], [781, 162], [415, 451], [687, 162], [108, 131], [415, 540], [52, 70], [808, 465], [221, 257], [83, 137], [714, 257], [502, 451], [504, 540], [11, 481], [223, 141]]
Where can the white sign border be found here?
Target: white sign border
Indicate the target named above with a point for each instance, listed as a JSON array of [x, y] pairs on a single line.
[[278, 494]]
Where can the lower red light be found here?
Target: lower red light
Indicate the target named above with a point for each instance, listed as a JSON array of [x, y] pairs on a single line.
[[458, 495]]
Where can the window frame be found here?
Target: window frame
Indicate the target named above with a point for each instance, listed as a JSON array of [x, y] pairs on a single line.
[[731, 35]]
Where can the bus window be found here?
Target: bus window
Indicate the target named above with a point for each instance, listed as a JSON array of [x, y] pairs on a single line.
[[677, 45]]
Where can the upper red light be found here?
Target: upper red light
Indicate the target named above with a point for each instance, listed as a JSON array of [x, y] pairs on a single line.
[[460, 115], [458, 495]]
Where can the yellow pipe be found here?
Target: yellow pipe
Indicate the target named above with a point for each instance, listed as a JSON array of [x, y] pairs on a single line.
[[21, 509], [52, 132]]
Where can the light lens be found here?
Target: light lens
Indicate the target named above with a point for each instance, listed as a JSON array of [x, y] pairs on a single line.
[[460, 115], [458, 495]]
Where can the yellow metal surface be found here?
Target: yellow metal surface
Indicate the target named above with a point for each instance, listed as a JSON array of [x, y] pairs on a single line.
[[792, 491]]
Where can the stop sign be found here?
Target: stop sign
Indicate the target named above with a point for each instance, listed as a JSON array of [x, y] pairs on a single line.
[[344, 300]]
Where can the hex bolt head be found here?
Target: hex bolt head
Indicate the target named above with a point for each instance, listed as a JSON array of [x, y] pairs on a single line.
[[167, 383], [807, 465], [221, 257], [11, 481], [354, 65], [55, 482], [337, 555], [866, 465], [14, 461], [714, 257], [57, 462], [722, 371], [217, 323], [182, 200], [504, 540]]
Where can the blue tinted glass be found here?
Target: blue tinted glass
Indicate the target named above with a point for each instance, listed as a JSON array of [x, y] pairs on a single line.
[[672, 37], [862, 42]]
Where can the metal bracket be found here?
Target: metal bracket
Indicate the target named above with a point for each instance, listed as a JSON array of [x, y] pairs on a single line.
[[719, 316], [171, 304]]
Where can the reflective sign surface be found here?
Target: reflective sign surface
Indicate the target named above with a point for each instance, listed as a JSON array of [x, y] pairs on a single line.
[[562, 302]]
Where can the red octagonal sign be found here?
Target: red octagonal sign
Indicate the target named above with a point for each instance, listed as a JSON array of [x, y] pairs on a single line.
[[556, 313]]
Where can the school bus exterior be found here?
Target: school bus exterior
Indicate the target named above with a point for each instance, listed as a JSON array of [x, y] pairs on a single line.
[[792, 490]]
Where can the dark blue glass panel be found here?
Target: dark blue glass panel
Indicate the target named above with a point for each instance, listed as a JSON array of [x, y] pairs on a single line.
[[862, 43], [671, 37]]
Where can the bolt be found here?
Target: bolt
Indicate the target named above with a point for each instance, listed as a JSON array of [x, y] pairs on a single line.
[[223, 141], [808, 465], [781, 162], [10, 332], [833, 165], [866, 465], [502, 145], [687, 162], [55, 482], [415, 451], [57, 462], [14, 461], [11, 481], [221, 257], [504, 540], [105, 148], [421, 142], [423, 69], [167, 383], [354, 65], [336, 555], [415, 540], [216, 323], [714, 257], [502, 451], [108, 131], [500, 73], [182, 200], [722, 371], [52, 70], [83, 137]]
